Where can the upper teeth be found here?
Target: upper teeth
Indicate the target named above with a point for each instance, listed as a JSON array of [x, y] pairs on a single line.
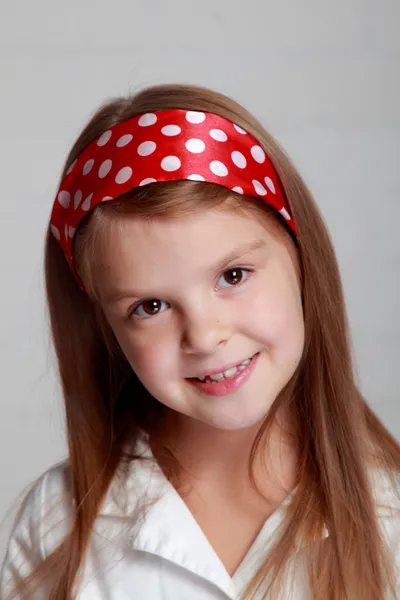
[[228, 373]]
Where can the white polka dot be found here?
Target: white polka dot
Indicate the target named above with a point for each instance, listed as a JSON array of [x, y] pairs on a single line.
[[258, 154], [86, 205], [193, 116], [147, 120], [239, 129], [55, 232], [71, 167], [237, 189], [88, 166], [260, 189], [124, 140], [107, 198], [270, 184], [171, 130], [148, 180], [196, 146], [170, 163], [285, 214], [104, 138], [123, 175], [71, 232], [218, 168], [64, 199], [239, 159], [146, 148], [195, 177], [77, 199], [105, 168], [219, 135]]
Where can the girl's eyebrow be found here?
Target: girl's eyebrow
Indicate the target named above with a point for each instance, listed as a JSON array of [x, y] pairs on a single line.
[[238, 252]]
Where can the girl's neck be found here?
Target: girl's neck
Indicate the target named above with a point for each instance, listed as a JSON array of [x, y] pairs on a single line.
[[221, 458]]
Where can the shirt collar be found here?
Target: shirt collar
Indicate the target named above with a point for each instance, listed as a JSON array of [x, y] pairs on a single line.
[[162, 524]]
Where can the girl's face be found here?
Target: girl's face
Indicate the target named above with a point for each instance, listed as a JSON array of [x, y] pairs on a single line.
[[196, 295]]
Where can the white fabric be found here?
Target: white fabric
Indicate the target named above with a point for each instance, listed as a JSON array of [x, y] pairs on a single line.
[[153, 553]]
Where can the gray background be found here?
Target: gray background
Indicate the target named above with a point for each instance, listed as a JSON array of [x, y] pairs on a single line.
[[323, 76]]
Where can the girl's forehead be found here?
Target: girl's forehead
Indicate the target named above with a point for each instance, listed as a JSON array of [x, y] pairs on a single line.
[[211, 227]]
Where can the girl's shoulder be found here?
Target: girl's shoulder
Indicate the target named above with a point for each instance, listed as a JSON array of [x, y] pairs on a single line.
[[47, 508], [386, 491], [42, 522], [47, 511]]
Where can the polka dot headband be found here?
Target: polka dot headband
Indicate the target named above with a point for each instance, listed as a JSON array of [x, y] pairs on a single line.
[[169, 145]]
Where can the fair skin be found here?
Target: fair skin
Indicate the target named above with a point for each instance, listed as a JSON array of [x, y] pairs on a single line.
[[205, 314]]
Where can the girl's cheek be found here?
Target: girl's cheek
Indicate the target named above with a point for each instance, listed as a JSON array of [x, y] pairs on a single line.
[[276, 313], [149, 353], [265, 312], [287, 333]]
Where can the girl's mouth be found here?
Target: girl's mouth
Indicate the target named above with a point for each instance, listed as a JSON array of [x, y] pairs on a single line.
[[220, 384]]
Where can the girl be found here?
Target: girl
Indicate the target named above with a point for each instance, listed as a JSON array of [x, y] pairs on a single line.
[[218, 444]]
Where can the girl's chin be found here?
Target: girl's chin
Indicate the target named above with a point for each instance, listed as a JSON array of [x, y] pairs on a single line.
[[228, 422]]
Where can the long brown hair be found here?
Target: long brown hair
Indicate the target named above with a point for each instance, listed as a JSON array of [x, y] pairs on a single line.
[[339, 436]]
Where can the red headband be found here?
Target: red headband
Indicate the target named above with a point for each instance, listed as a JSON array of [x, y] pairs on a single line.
[[169, 145]]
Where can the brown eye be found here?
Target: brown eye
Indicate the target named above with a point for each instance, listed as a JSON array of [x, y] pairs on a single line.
[[233, 276], [148, 308], [151, 307]]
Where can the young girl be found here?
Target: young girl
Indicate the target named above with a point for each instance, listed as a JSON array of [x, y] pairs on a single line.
[[218, 445]]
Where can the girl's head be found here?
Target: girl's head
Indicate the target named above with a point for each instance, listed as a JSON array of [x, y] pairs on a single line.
[[183, 278], [204, 286], [187, 277]]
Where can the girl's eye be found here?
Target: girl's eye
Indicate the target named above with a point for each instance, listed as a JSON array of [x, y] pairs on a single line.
[[234, 276], [148, 308], [153, 306]]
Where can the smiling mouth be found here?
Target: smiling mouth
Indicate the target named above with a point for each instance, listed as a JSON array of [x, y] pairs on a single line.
[[227, 374]]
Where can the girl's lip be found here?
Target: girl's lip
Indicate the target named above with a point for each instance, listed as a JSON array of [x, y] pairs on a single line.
[[226, 386]]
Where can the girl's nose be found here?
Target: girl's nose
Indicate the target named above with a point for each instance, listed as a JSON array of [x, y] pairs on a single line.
[[204, 333]]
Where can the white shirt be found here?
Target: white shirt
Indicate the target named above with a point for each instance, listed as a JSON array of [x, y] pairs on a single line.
[[162, 554]]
